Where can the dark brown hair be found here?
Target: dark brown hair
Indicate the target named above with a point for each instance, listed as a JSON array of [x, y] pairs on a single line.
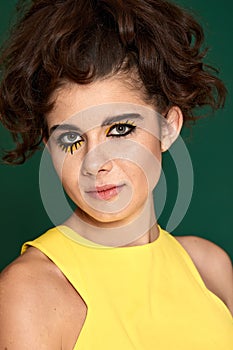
[[85, 40]]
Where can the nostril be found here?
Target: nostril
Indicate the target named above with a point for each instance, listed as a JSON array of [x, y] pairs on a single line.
[[94, 167], [102, 170]]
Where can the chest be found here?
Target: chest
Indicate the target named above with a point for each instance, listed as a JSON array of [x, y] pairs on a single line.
[[146, 317]]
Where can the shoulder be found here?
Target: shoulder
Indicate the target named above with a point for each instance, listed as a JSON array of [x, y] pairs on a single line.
[[24, 284], [213, 264], [31, 270], [34, 296]]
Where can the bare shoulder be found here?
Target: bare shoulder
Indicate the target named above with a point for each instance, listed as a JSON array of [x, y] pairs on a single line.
[[213, 264], [36, 300]]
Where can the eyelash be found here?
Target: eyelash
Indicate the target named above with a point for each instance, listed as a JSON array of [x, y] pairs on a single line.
[[127, 124], [71, 147]]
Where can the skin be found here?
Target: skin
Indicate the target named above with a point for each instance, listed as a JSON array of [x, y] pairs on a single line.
[[56, 322], [69, 102]]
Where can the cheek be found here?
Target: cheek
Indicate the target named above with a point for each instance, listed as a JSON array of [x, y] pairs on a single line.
[[140, 183], [143, 175], [135, 173], [142, 163], [69, 177], [153, 145], [152, 162], [67, 167]]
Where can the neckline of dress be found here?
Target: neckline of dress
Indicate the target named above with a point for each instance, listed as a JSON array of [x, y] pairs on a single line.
[[83, 242]]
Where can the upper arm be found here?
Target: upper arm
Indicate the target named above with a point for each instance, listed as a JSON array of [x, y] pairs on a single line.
[[214, 266], [25, 321]]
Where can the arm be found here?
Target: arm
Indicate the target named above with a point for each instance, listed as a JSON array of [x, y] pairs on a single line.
[[28, 312]]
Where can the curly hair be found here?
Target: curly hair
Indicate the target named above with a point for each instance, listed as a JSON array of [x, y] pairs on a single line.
[[84, 40]]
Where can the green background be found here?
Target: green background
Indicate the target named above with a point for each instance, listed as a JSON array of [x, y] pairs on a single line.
[[210, 145]]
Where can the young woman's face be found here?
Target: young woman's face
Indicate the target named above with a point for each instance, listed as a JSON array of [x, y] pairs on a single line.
[[105, 146]]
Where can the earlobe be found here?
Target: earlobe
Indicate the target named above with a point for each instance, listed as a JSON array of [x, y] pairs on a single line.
[[171, 127]]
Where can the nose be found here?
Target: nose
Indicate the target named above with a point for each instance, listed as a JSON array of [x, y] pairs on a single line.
[[97, 159]]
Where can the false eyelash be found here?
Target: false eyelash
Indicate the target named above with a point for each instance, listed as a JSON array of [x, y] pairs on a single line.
[[70, 148]]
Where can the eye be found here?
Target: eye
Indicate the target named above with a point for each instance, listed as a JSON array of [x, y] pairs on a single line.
[[70, 141], [120, 129], [70, 138]]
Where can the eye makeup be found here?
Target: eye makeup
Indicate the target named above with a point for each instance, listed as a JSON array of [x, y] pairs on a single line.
[[69, 142], [120, 129]]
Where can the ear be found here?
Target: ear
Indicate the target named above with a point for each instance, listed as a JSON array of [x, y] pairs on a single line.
[[171, 127], [46, 143]]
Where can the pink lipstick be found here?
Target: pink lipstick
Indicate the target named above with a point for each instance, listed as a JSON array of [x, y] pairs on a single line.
[[105, 192]]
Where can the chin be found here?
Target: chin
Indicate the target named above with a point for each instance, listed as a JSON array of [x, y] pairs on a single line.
[[96, 217], [108, 218], [121, 217]]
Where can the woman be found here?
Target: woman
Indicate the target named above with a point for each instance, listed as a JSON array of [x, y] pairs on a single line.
[[107, 86]]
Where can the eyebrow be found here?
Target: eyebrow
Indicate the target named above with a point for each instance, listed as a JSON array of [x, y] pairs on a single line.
[[118, 118], [64, 127], [106, 122]]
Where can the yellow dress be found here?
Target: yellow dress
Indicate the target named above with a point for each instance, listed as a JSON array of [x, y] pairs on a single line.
[[141, 297]]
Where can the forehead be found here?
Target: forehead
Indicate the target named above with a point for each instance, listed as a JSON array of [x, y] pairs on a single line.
[[100, 103], [71, 98]]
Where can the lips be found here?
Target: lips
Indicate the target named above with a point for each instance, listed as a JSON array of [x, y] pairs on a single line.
[[105, 192]]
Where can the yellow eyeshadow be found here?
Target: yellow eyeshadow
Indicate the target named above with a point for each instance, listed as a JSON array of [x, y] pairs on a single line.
[[107, 131], [116, 124]]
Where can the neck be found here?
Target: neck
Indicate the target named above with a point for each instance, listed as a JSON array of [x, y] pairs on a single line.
[[141, 230], [150, 236]]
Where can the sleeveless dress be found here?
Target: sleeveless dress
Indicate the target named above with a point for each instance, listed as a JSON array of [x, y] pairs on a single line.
[[140, 297]]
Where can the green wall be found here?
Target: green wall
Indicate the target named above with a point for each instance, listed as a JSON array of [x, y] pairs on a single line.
[[211, 148]]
